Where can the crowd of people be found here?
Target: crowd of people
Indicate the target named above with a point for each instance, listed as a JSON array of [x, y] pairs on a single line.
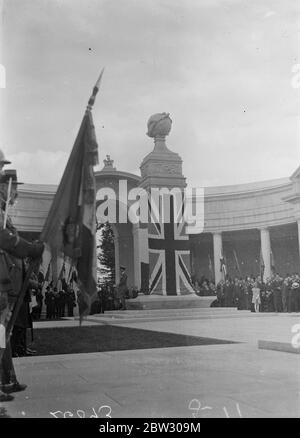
[[275, 294], [55, 304], [109, 297], [59, 303]]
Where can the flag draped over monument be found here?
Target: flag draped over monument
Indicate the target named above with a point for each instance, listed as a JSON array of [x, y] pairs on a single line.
[[169, 255], [70, 227]]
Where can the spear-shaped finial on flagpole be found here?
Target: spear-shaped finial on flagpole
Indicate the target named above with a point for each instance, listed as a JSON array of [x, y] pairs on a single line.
[[95, 91]]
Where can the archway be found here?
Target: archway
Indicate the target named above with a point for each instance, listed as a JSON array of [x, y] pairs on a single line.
[[123, 246]]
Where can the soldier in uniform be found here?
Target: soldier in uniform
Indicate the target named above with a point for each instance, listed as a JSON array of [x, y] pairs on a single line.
[[220, 294], [39, 300], [101, 293], [285, 293], [3, 298], [237, 293], [122, 287], [71, 300], [295, 291], [13, 249], [243, 295], [56, 303], [24, 321]]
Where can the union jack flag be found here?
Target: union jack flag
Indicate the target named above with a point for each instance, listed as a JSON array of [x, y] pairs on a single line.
[[169, 257]]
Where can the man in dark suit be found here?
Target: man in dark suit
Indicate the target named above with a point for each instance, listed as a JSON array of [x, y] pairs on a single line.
[[285, 293], [295, 292], [23, 322], [220, 294], [277, 297], [56, 303], [122, 287], [70, 301]]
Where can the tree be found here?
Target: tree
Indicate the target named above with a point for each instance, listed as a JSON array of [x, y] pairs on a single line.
[[106, 255]]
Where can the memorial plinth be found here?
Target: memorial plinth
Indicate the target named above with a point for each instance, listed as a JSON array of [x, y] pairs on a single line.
[[168, 245], [153, 302]]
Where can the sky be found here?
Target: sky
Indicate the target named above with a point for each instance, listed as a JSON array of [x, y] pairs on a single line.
[[225, 70]]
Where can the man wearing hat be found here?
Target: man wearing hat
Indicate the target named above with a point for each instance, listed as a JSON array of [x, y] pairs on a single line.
[[13, 249], [3, 161], [122, 287], [295, 291]]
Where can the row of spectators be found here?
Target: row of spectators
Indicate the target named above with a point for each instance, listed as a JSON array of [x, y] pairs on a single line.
[[276, 294], [59, 303]]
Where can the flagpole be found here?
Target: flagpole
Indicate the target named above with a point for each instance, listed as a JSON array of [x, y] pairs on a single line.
[[5, 336], [35, 263], [61, 271], [7, 202], [210, 267], [70, 273], [48, 269], [95, 91], [237, 263], [4, 227]]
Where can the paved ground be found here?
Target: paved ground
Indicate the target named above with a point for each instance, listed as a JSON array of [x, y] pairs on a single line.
[[208, 381]]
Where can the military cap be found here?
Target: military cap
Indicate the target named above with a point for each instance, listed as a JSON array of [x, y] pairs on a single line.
[[7, 174]]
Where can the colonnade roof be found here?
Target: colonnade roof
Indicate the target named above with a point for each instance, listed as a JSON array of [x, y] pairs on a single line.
[[38, 188], [209, 190], [247, 187], [227, 208]]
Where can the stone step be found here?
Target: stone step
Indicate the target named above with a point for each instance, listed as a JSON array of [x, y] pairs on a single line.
[[156, 316], [152, 302], [121, 316], [176, 311]]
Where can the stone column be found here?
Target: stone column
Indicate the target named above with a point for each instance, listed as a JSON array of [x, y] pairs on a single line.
[[117, 259], [298, 223], [218, 250], [136, 255], [126, 257], [141, 253], [266, 251]]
